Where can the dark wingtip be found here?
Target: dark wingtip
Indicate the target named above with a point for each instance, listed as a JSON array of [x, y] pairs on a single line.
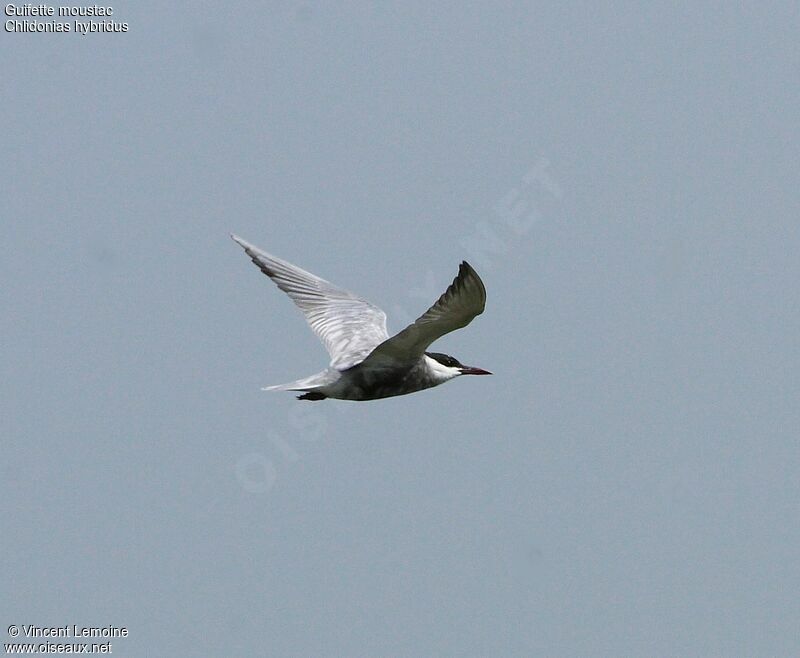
[[464, 270], [465, 266]]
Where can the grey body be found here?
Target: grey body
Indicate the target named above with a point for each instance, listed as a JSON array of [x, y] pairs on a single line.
[[364, 383], [366, 363]]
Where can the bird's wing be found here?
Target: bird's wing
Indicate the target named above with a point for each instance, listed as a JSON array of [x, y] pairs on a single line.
[[349, 326], [456, 308]]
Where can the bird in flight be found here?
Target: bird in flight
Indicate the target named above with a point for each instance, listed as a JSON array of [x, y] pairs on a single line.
[[366, 364]]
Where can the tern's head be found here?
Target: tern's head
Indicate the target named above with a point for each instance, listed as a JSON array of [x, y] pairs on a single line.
[[448, 366]]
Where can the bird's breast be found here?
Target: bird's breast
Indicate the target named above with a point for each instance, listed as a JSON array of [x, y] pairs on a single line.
[[371, 383]]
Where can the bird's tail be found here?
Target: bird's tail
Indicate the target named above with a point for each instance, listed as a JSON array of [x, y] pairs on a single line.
[[308, 384]]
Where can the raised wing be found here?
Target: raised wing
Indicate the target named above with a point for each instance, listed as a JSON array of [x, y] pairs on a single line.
[[456, 308], [349, 326]]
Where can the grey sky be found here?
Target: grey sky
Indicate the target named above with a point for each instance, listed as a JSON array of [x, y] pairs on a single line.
[[625, 179]]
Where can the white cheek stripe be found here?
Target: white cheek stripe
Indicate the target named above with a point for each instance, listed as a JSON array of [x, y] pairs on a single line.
[[440, 371]]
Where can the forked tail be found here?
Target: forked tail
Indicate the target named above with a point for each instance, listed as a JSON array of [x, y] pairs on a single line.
[[309, 385]]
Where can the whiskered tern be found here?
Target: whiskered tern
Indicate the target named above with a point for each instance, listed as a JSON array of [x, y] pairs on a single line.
[[366, 364]]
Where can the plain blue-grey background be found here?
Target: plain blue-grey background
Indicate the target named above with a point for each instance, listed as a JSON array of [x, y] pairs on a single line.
[[624, 176]]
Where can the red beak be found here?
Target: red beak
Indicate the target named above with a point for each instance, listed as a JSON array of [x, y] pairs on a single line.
[[469, 370]]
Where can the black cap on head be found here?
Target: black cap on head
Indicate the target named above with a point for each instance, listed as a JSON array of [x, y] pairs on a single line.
[[445, 359]]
